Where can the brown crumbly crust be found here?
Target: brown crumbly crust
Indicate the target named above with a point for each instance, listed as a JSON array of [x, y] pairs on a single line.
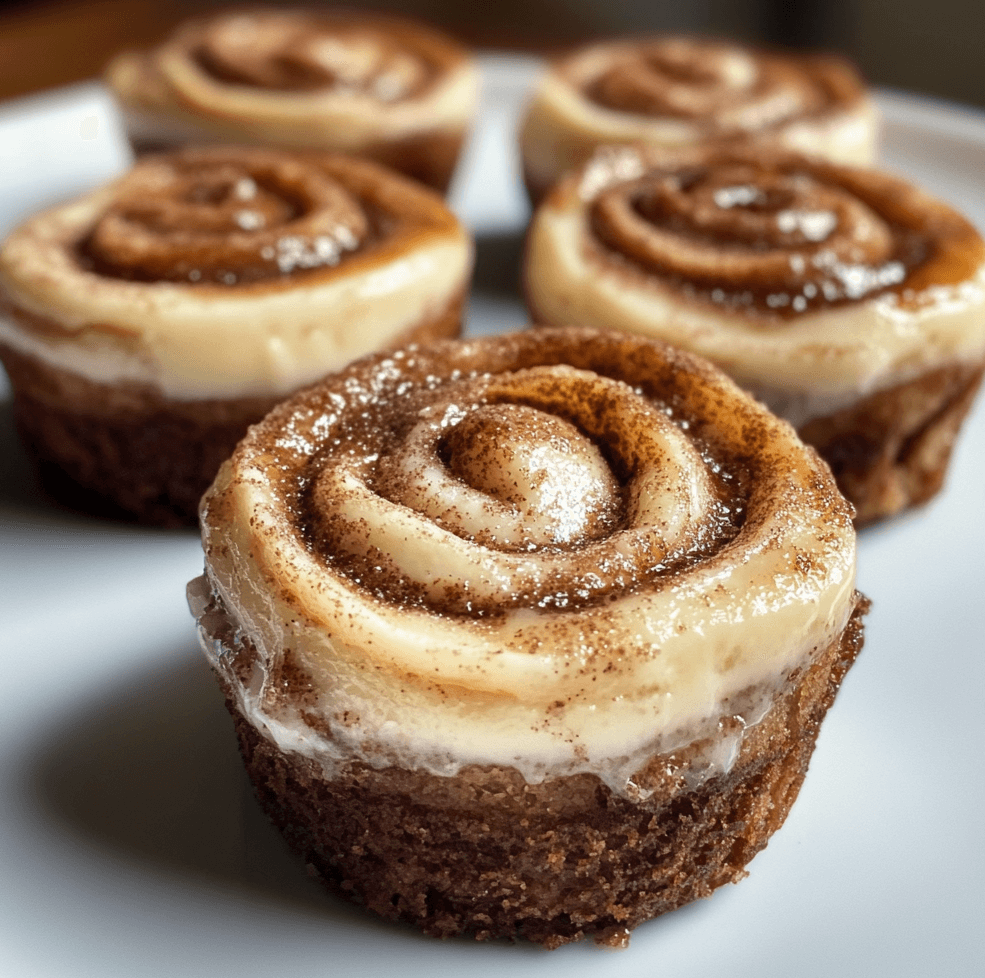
[[130, 452], [890, 451], [123, 452], [488, 854]]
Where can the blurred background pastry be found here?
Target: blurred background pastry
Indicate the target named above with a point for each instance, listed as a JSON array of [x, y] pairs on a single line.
[[146, 324], [390, 89], [848, 300], [930, 48], [677, 92]]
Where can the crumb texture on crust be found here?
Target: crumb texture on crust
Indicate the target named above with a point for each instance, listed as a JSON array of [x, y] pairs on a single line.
[[676, 92], [383, 87], [123, 453], [891, 450], [487, 854]]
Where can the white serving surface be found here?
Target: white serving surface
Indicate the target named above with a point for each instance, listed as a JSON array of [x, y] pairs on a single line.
[[130, 844]]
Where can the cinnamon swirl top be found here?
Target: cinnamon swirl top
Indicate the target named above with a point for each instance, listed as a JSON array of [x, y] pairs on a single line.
[[677, 92], [789, 272], [722, 88], [304, 79], [231, 272], [560, 550], [304, 52]]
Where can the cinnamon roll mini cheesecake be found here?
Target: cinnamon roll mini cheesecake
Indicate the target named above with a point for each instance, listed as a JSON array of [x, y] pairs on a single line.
[[677, 92], [383, 87], [147, 324], [849, 301], [530, 635]]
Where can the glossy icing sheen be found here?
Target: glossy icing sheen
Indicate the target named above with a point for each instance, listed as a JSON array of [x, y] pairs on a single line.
[[301, 79], [561, 551], [674, 92], [809, 282], [228, 273]]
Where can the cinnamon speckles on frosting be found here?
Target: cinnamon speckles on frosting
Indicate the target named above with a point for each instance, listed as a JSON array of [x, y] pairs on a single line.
[[547, 486], [182, 218], [791, 273], [513, 477], [564, 547], [771, 233]]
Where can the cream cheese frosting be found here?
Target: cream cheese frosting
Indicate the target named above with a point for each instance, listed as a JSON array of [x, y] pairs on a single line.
[[561, 551], [806, 328], [675, 92], [306, 292]]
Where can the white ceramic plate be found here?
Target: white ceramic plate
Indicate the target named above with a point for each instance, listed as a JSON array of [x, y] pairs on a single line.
[[130, 845]]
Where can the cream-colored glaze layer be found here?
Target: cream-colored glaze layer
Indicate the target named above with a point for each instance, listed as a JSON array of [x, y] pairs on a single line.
[[804, 367], [562, 128], [175, 93], [598, 689], [200, 342]]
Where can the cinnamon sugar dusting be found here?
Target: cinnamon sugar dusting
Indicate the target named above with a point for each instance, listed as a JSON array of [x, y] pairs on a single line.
[[574, 542], [548, 486]]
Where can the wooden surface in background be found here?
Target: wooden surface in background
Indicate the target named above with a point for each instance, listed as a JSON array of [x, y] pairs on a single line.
[[56, 42], [47, 44], [44, 43]]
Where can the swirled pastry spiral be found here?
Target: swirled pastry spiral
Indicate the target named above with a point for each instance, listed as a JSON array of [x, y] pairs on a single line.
[[848, 300], [534, 631], [148, 323], [381, 87], [676, 92]]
